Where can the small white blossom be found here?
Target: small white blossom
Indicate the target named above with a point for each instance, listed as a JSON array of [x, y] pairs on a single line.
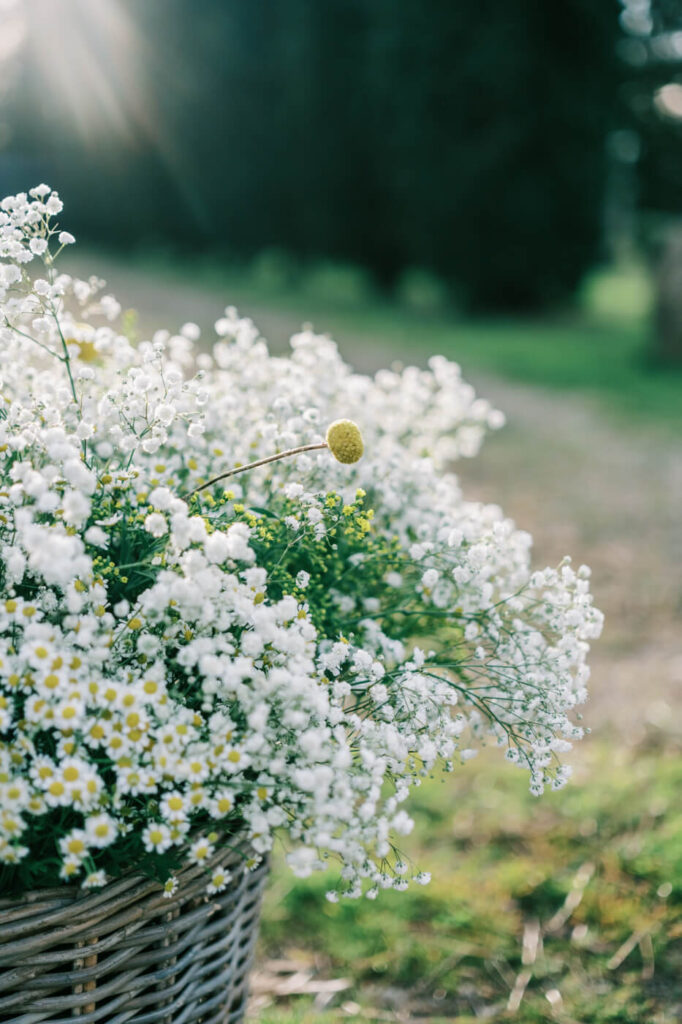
[[156, 524]]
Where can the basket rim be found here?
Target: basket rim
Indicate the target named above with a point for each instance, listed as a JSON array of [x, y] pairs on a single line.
[[55, 906]]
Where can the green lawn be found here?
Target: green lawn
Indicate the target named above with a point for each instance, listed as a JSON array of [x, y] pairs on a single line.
[[606, 360], [589, 880]]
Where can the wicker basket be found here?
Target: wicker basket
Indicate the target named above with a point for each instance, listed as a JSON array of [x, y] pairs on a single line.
[[127, 953]]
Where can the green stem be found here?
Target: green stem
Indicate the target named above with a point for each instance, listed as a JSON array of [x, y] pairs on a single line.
[[254, 465], [66, 358], [29, 337]]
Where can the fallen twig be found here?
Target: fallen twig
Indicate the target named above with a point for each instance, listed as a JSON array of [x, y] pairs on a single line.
[[624, 952], [529, 952], [573, 899]]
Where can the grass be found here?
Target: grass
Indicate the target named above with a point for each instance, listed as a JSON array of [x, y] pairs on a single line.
[[600, 348], [595, 870]]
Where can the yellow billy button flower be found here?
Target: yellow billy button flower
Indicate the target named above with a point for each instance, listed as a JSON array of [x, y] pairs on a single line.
[[345, 441]]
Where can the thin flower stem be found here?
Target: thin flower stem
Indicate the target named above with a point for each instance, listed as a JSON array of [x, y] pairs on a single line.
[[48, 263], [254, 465], [29, 337], [66, 358]]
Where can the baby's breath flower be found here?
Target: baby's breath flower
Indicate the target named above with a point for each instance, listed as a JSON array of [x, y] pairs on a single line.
[[269, 656], [156, 524]]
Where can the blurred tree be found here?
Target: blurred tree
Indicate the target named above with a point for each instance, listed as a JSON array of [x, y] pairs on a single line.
[[494, 117], [466, 138], [651, 50]]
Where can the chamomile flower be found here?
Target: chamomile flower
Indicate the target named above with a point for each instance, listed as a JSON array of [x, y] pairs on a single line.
[[220, 879], [94, 880], [175, 806], [156, 838], [101, 830], [75, 844], [200, 850], [170, 887]]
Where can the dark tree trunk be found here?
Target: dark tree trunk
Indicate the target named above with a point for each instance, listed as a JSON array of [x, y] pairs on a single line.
[[668, 340]]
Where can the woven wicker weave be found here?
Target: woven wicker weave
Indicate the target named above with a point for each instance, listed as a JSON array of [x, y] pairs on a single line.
[[126, 953]]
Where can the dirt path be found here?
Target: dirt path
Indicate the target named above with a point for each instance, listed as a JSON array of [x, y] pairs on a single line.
[[563, 471]]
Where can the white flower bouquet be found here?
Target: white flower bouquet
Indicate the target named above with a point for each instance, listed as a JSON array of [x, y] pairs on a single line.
[[217, 621]]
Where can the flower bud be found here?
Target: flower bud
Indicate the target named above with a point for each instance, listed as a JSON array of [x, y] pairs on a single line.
[[345, 441]]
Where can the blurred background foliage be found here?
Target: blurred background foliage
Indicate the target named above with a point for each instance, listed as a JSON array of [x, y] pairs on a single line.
[[499, 150]]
